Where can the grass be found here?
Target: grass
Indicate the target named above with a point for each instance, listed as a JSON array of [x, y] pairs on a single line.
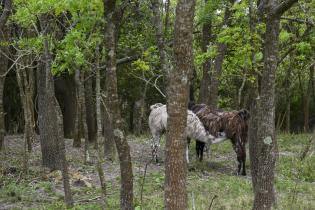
[[211, 179]]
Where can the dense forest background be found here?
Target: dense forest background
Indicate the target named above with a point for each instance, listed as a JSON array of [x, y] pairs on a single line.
[[77, 28], [91, 70]]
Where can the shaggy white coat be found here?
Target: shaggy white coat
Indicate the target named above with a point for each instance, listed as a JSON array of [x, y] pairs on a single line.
[[194, 130]]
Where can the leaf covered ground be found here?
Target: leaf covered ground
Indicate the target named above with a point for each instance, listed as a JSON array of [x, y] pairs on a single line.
[[212, 180]]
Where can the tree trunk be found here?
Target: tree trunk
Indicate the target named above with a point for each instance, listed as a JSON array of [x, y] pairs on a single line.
[[82, 120], [218, 63], [100, 161], [178, 95], [90, 108], [65, 89], [113, 16], [109, 141], [240, 92], [4, 36], [204, 93], [2, 126], [139, 113], [26, 83], [78, 119], [266, 144], [288, 99], [47, 116], [50, 118], [157, 6], [307, 98]]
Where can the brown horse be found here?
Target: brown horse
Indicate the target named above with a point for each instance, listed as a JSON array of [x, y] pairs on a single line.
[[232, 123]]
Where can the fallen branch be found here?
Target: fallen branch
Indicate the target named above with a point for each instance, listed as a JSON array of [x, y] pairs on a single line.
[[143, 181], [214, 197], [88, 200]]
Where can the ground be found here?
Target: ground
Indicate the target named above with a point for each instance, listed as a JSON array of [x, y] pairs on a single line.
[[213, 180]]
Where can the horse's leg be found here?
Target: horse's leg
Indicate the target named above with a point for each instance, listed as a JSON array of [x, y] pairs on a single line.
[[187, 155], [239, 159], [243, 160], [202, 146], [199, 149], [155, 146]]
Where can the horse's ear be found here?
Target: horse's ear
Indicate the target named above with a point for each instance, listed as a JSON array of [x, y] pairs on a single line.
[[244, 114]]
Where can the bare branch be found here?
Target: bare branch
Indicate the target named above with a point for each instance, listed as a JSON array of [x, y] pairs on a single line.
[[127, 59], [307, 21], [148, 81], [283, 7]]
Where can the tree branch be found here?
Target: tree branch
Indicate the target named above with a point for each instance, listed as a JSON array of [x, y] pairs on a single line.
[[307, 21], [283, 6], [6, 12], [127, 59], [292, 48]]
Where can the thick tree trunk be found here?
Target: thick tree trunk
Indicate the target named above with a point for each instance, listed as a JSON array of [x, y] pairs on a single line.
[[204, 93], [66, 94], [178, 95], [266, 142], [47, 116], [50, 118], [218, 62], [90, 108], [113, 16], [82, 121], [109, 141]]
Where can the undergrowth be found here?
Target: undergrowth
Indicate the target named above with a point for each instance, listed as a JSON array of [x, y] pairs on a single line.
[[211, 181]]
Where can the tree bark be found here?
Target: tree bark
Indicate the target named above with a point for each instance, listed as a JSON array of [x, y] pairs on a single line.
[[2, 126], [178, 95], [3, 69], [307, 98], [90, 108], [139, 112], [25, 79], [100, 161], [288, 99], [204, 93], [47, 121], [50, 117], [82, 123], [160, 39], [113, 16], [267, 145], [78, 119], [4, 37], [65, 90], [218, 62]]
